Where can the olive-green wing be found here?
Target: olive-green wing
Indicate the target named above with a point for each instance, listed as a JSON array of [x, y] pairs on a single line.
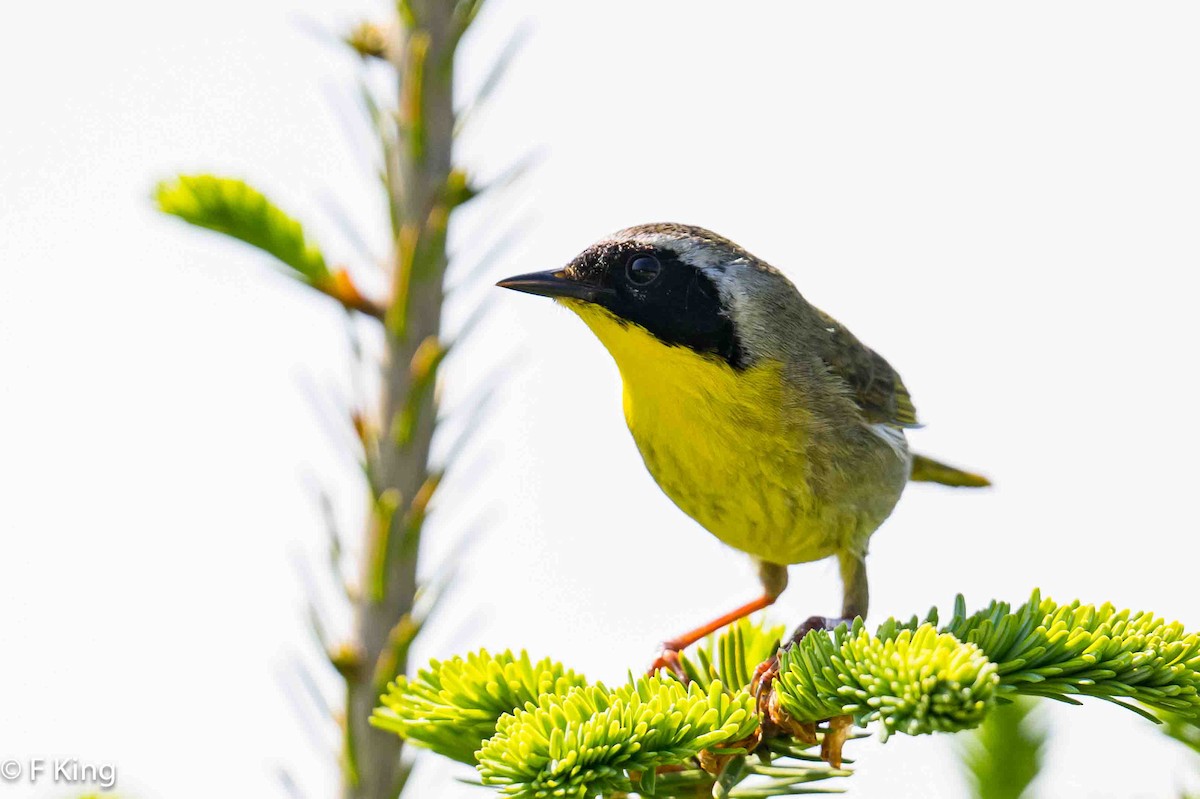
[[870, 380]]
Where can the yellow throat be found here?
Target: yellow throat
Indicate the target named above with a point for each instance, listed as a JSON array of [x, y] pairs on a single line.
[[725, 445]]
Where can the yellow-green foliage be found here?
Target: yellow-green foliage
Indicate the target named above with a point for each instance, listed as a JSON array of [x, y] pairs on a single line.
[[586, 742], [1063, 651], [237, 209], [538, 730], [453, 706], [914, 682]]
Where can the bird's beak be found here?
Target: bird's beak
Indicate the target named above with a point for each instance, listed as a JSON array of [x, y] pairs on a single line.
[[554, 283]]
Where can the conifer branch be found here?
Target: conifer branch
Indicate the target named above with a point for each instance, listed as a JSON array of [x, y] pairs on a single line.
[[539, 730]]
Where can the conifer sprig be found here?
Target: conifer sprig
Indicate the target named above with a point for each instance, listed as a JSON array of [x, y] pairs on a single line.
[[594, 741], [539, 730], [1065, 651], [453, 706], [915, 682]]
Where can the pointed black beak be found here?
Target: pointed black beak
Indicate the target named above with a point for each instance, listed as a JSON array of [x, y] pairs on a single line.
[[554, 283]]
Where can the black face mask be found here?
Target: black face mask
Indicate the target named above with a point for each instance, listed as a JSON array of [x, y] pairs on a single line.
[[652, 288]]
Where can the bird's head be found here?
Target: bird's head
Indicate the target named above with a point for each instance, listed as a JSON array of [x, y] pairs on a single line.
[[685, 286]]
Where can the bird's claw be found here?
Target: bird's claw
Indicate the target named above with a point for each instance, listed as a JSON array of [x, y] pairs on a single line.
[[768, 670], [764, 675], [776, 720], [668, 659]]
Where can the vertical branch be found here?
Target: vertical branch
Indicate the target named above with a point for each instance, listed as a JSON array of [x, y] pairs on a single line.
[[422, 188], [401, 476]]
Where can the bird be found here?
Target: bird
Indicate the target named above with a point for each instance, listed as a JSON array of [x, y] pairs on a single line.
[[760, 416]]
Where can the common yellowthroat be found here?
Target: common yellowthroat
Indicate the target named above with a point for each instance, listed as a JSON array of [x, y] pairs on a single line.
[[760, 416]]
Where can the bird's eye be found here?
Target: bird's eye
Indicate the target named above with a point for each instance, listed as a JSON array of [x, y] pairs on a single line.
[[643, 269]]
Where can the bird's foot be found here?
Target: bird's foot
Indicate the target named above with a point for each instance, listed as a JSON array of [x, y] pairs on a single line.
[[668, 659], [775, 720], [768, 670]]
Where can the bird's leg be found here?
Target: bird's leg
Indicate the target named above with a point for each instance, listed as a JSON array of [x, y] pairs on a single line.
[[775, 718], [855, 598], [774, 581], [669, 656]]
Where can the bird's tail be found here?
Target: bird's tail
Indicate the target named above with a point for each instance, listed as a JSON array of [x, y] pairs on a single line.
[[927, 470]]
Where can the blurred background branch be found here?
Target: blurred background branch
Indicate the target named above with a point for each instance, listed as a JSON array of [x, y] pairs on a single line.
[[415, 128], [1003, 756]]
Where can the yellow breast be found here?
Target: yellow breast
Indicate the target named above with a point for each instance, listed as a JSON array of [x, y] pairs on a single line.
[[725, 445]]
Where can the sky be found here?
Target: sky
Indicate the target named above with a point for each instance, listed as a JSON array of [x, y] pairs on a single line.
[[1001, 200]]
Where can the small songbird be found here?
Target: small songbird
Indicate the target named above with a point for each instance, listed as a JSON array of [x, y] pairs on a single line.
[[760, 416]]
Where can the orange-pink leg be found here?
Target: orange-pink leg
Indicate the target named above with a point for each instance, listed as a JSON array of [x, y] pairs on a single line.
[[773, 577], [669, 657]]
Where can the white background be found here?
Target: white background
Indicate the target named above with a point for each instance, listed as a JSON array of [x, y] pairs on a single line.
[[1003, 200]]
